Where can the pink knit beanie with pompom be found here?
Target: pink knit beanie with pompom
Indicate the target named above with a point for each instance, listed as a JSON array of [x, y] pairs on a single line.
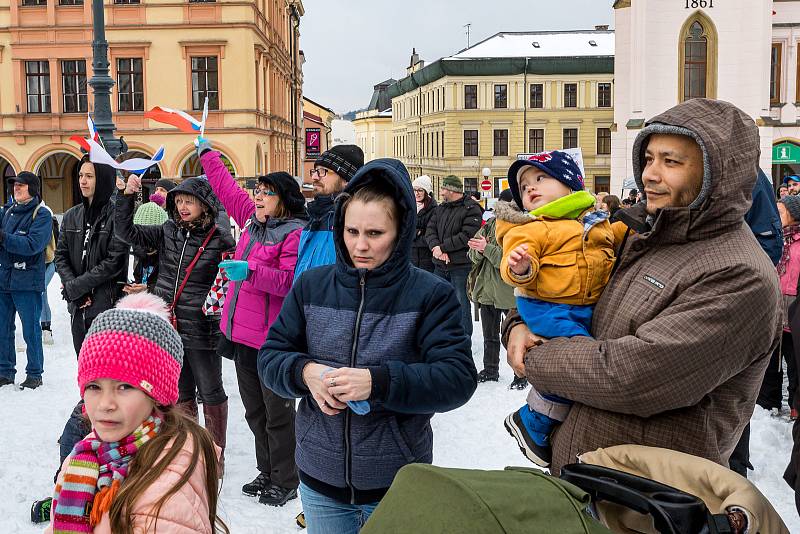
[[134, 343]]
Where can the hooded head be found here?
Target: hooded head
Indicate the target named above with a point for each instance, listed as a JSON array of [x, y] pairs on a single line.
[[389, 176], [725, 143], [199, 188], [104, 177]]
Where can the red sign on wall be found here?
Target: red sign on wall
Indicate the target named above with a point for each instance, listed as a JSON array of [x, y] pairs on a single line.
[[313, 142]]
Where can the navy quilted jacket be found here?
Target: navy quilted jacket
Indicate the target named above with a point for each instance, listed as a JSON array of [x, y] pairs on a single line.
[[400, 322]]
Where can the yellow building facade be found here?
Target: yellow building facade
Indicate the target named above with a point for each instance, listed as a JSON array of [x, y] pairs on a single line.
[[374, 134], [244, 55], [513, 93]]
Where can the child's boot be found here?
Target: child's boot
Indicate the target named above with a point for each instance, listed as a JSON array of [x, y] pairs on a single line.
[[532, 432]]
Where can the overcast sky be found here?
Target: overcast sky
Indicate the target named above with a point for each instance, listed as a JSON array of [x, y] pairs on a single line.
[[351, 45]]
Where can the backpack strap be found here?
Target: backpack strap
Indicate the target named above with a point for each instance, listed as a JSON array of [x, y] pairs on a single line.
[[191, 266]]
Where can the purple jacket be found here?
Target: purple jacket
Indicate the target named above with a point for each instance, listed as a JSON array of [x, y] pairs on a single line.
[[270, 249]]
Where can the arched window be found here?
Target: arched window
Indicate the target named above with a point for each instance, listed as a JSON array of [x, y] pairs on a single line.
[[697, 50]]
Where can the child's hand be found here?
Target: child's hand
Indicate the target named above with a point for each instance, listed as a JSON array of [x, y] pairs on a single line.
[[519, 261]]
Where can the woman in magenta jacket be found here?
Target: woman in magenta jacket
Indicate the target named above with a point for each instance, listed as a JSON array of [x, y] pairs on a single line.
[[271, 227]]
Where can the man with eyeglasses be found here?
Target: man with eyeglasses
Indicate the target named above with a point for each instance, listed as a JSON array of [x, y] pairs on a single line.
[[331, 172]]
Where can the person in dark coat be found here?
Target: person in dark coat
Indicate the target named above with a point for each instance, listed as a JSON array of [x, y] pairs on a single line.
[[25, 230], [453, 223], [90, 262], [192, 211], [420, 252], [371, 329]]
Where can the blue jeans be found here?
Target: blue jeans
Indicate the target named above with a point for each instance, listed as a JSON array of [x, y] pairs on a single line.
[[49, 271], [329, 516], [457, 276], [29, 306]]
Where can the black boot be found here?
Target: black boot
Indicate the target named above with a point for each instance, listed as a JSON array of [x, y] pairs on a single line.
[[277, 496], [31, 382], [519, 382], [259, 484], [487, 376]]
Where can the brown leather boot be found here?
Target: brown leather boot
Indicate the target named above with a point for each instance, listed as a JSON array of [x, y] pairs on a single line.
[[189, 409], [217, 424]]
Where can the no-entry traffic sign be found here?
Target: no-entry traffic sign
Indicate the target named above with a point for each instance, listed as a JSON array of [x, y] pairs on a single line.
[[486, 184]]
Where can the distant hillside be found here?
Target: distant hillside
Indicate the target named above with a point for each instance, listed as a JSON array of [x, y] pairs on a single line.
[[350, 115]]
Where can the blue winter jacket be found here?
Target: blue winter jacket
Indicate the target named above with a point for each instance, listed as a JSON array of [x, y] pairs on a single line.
[[763, 218], [316, 246], [398, 321], [23, 240]]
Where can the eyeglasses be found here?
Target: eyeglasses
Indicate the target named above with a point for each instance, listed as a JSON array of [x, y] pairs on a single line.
[[319, 171], [261, 191], [419, 190]]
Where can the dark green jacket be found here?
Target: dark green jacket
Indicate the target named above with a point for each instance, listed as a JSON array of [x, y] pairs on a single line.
[[484, 280]]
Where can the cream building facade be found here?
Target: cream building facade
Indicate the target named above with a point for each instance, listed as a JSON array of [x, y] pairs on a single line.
[[244, 55], [741, 51], [512, 93], [374, 124]]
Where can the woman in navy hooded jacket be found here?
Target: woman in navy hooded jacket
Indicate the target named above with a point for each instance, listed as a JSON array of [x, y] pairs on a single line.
[[372, 328]]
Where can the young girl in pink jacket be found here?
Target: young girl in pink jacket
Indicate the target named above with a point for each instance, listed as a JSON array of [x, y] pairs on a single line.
[[145, 467]]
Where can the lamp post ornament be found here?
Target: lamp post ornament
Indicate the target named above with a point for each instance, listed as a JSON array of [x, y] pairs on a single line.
[[101, 83]]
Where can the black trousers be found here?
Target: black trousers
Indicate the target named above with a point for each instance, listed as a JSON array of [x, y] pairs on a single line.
[[201, 376], [271, 420], [491, 319], [79, 325], [771, 393]]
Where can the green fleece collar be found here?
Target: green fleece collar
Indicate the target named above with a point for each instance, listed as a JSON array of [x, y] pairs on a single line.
[[568, 207]]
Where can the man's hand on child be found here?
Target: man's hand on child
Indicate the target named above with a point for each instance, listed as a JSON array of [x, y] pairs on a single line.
[[520, 340], [519, 261]]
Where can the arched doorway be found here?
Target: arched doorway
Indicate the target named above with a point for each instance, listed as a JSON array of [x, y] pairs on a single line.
[[785, 160], [59, 174], [191, 166], [6, 171]]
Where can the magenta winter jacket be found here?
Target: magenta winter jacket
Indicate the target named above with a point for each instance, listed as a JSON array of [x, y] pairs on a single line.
[[270, 249]]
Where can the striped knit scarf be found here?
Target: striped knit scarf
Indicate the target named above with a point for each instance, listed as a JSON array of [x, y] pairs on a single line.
[[92, 476]]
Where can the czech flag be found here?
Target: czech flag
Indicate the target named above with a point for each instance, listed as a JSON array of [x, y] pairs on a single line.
[[179, 119], [93, 135]]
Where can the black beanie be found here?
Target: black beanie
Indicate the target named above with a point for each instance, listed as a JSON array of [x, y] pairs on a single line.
[[287, 188], [344, 160], [29, 179], [166, 183]]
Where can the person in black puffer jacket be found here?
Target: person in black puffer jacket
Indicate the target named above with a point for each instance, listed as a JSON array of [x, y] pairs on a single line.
[[89, 260], [420, 251], [370, 328], [192, 211]]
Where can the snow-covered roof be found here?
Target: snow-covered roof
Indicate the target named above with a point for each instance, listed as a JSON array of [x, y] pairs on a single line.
[[550, 44]]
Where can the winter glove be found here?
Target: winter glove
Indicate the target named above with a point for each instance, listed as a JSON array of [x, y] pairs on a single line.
[[235, 270], [203, 145]]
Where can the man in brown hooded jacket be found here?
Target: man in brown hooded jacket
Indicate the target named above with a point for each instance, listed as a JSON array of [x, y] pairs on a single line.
[[685, 327]]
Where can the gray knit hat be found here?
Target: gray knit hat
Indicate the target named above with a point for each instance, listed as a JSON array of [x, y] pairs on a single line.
[[792, 203], [134, 343]]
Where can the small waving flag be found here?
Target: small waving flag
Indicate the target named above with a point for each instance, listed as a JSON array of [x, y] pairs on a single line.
[[98, 154], [179, 119], [93, 135]]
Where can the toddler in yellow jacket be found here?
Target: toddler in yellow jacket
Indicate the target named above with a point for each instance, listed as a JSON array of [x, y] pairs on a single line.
[[558, 253]]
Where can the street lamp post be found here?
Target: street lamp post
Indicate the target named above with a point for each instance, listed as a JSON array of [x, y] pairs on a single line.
[[102, 83]]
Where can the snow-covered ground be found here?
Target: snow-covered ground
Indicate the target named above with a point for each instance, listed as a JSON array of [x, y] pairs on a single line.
[[470, 437]]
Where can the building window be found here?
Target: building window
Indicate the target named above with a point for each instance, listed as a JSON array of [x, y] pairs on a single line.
[[204, 82], [775, 73], [126, 1], [570, 95], [470, 97], [500, 96], [536, 140], [570, 138], [603, 95], [602, 184], [130, 84], [470, 143], [27, 3], [70, 2], [695, 62], [470, 185], [37, 82], [603, 141], [537, 95], [73, 80], [501, 142]]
